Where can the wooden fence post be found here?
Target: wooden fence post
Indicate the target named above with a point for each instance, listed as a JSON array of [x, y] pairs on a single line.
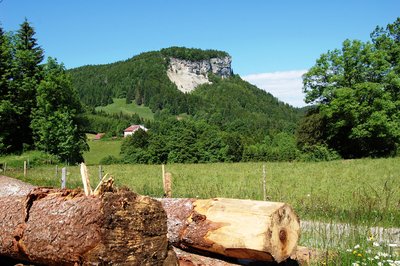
[[264, 183], [63, 177], [100, 173], [56, 171], [167, 182], [25, 170], [5, 168], [168, 185]]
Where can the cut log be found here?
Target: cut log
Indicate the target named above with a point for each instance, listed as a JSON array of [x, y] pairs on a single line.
[[13, 187], [191, 259], [243, 229], [65, 227]]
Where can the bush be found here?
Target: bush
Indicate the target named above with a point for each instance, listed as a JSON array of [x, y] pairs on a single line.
[[110, 159], [318, 153]]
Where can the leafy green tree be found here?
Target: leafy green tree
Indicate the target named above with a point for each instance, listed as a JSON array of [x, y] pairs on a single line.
[[55, 117], [355, 90]]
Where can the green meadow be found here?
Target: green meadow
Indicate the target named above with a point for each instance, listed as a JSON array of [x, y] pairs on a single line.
[[120, 105], [100, 149]]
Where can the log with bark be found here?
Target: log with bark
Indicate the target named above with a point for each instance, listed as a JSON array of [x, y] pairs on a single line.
[[65, 227], [243, 229]]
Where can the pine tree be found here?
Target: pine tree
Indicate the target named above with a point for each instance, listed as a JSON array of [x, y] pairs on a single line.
[[26, 74], [7, 111]]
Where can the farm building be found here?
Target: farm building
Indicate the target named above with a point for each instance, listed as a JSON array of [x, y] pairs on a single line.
[[132, 129], [98, 136]]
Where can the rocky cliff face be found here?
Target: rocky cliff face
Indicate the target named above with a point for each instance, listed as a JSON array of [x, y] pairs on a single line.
[[187, 75]]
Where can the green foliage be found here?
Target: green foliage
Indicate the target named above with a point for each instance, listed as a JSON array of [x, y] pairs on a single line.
[[281, 147], [185, 141], [38, 104], [356, 90], [110, 159], [318, 153], [192, 54], [54, 120], [311, 129], [20, 74], [235, 105]]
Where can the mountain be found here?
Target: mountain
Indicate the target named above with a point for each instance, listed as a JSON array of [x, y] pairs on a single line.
[[197, 82]]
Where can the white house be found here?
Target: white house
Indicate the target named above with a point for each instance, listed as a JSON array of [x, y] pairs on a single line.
[[132, 129]]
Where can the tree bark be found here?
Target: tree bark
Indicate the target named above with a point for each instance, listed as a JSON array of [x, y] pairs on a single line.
[[243, 229], [65, 227]]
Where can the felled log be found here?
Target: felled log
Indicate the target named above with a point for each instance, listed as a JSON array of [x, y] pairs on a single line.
[[243, 229], [65, 227], [13, 187], [192, 259]]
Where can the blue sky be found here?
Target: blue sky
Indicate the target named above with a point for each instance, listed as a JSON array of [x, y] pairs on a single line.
[[271, 42]]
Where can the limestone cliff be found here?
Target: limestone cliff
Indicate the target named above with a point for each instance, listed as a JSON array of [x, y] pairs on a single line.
[[187, 75]]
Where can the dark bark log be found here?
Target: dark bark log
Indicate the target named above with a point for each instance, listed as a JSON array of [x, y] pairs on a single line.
[[65, 227]]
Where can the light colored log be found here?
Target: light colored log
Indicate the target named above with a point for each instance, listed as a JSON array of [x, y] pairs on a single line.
[[191, 259], [243, 229]]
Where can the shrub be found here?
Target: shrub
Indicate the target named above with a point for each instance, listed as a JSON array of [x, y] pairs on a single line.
[[317, 153], [110, 159]]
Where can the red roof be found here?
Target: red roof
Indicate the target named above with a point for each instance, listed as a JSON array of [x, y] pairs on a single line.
[[99, 136], [132, 128]]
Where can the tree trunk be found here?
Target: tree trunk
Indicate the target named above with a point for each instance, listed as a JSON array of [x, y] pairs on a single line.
[[65, 227], [243, 229]]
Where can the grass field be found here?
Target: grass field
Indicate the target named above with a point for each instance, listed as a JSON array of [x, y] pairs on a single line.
[[100, 149], [119, 105]]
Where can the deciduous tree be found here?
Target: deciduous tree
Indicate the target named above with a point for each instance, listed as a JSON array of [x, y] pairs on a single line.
[[356, 92], [54, 119]]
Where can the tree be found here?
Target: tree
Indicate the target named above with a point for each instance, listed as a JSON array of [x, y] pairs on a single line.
[[26, 75], [7, 110], [356, 90], [55, 118]]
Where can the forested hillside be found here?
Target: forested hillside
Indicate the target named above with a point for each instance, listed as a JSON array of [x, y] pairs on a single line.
[[232, 104]]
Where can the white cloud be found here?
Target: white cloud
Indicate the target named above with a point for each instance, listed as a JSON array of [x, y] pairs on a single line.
[[284, 85]]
